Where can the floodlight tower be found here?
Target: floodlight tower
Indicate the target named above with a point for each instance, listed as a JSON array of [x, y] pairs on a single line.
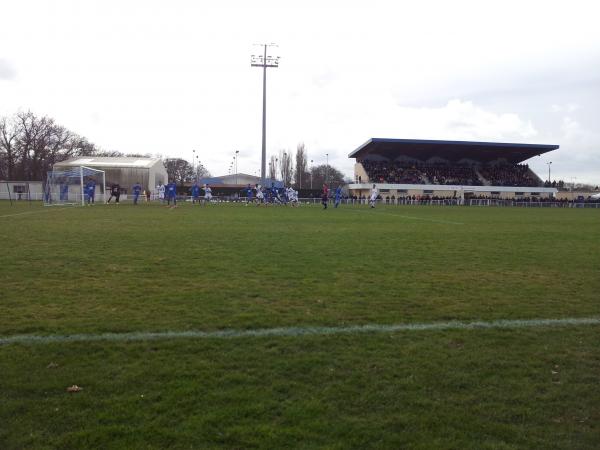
[[236, 158], [193, 161], [264, 61]]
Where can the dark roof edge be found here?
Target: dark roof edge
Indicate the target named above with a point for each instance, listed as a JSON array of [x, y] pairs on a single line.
[[546, 147], [361, 147]]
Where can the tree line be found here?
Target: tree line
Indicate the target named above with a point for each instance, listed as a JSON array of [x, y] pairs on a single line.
[[31, 144], [294, 169], [285, 166]]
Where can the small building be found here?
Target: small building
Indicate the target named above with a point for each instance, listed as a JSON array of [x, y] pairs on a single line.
[[235, 183], [124, 170], [21, 190]]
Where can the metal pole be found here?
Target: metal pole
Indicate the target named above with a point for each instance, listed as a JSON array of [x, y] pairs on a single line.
[[8, 190], [264, 62], [311, 172], [237, 152], [81, 180], [28, 194], [327, 170], [264, 121]]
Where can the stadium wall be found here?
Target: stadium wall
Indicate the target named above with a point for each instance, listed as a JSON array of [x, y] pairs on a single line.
[[18, 190], [403, 190]]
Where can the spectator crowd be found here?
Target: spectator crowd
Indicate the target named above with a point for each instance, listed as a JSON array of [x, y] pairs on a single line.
[[444, 174], [509, 175]]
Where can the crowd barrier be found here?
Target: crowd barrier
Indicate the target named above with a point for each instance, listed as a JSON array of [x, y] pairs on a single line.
[[76, 199], [533, 204]]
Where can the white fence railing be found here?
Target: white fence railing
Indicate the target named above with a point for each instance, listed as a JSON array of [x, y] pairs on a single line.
[[533, 204], [76, 198]]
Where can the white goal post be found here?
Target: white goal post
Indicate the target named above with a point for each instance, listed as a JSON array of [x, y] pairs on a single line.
[[74, 186]]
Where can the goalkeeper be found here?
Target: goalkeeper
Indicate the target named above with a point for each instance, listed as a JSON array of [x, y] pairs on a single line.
[[115, 191]]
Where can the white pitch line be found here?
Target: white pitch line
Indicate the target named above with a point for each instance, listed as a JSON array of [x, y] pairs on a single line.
[[32, 212], [296, 331]]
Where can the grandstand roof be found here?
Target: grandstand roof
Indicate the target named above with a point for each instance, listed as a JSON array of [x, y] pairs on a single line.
[[120, 161], [423, 150]]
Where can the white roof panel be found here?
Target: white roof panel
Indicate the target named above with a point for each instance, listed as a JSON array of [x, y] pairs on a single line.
[[123, 161]]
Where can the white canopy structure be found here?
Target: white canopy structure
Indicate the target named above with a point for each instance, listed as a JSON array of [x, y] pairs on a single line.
[[125, 171]]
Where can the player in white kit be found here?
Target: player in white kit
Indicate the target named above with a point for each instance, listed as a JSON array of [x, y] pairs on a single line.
[[207, 194], [161, 192], [373, 197], [260, 196], [293, 196]]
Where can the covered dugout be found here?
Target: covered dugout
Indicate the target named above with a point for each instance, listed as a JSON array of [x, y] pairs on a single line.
[[126, 170], [477, 159]]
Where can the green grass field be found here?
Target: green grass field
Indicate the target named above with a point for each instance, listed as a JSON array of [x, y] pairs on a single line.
[[109, 269]]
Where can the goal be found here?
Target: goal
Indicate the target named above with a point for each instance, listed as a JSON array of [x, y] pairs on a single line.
[[74, 186]]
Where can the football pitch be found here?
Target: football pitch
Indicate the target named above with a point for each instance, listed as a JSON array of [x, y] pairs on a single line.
[[242, 327]]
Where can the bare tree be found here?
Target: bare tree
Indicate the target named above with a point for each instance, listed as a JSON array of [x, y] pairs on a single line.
[[201, 172], [179, 170], [320, 173], [301, 174], [285, 167], [8, 138], [273, 167], [30, 145]]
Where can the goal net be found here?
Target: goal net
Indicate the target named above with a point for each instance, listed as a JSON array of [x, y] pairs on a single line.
[[74, 186]]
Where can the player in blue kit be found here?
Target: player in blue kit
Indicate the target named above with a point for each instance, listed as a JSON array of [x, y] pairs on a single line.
[[249, 194], [275, 194], [64, 192], [137, 190], [91, 192], [195, 193], [338, 196], [172, 194]]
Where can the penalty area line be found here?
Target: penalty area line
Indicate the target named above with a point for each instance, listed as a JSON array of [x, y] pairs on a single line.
[[297, 331], [34, 212]]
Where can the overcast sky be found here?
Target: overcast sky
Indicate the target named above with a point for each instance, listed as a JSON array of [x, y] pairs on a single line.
[[168, 77]]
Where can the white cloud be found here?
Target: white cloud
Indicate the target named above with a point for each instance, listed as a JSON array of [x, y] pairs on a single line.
[[569, 108], [571, 129], [7, 71]]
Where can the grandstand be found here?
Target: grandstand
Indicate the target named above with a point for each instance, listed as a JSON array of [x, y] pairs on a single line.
[[447, 169]]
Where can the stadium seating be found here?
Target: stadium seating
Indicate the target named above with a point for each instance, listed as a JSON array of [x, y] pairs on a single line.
[[442, 174], [509, 175]]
